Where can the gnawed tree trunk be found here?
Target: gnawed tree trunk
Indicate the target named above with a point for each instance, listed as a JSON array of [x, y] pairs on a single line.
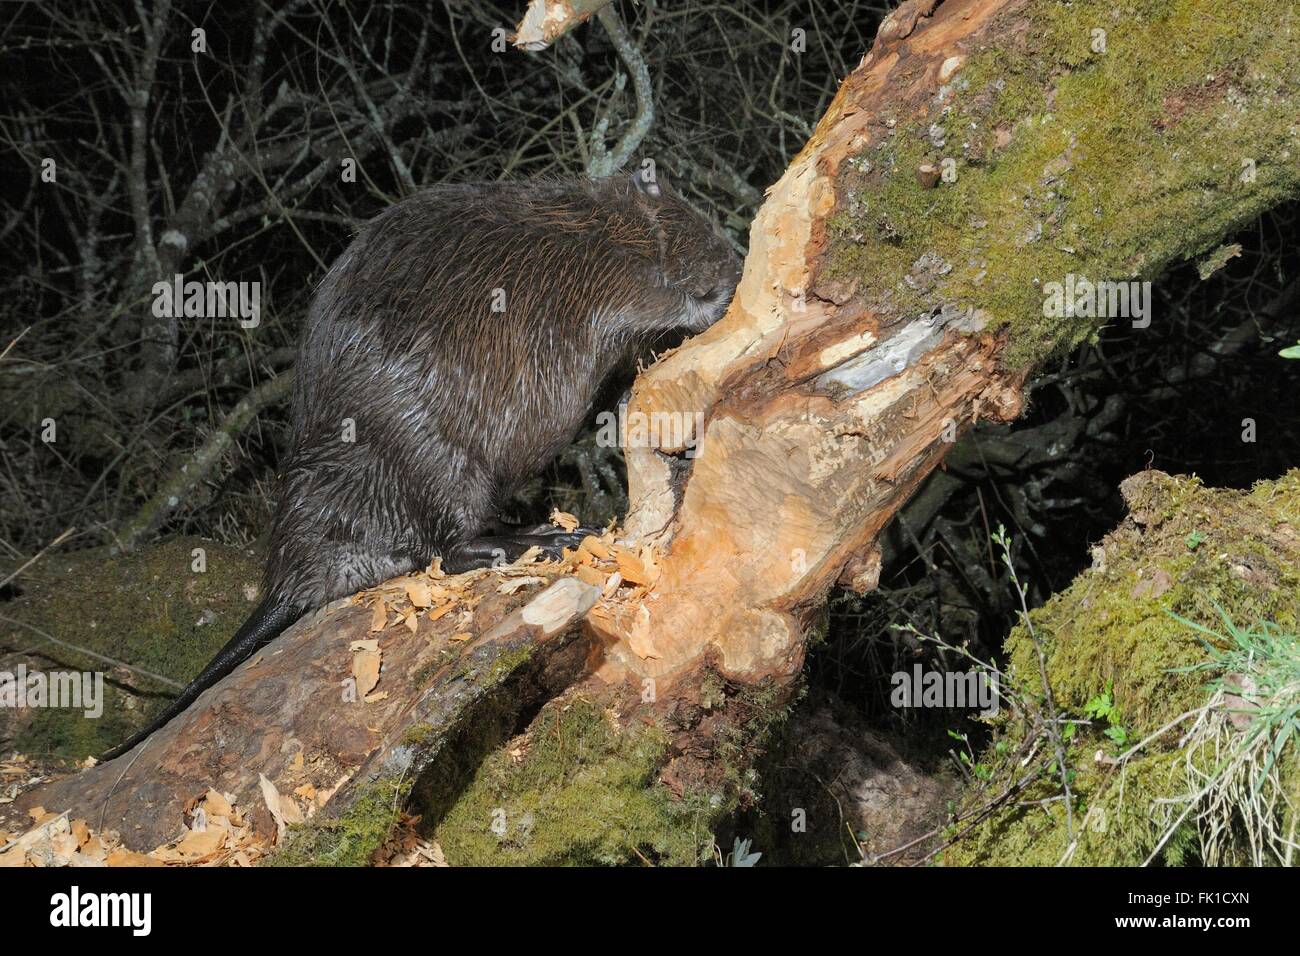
[[893, 295]]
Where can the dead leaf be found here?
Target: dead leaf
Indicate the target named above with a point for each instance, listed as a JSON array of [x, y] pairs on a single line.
[[632, 568], [589, 575], [283, 809], [594, 546], [440, 611], [94, 848], [196, 845], [216, 805]]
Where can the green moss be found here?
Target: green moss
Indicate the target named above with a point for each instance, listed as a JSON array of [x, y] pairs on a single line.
[[583, 792], [417, 733], [1107, 165], [1117, 624], [149, 609], [350, 840], [761, 713], [1187, 552], [1117, 819], [507, 664]]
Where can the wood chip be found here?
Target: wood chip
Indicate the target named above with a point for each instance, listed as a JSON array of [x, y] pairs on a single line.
[[366, 662], [562, 519], [419, 592]]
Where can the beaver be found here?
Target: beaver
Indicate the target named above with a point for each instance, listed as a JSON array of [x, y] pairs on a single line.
[[452, 351]]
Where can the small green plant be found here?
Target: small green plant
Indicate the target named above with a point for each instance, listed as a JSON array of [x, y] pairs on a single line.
[[966, 758], [1102, 707]]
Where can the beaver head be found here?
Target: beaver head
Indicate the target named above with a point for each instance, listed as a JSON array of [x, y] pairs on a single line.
[[692, 260]]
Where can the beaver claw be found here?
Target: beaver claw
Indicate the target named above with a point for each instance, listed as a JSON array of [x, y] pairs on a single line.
[[493, 550]]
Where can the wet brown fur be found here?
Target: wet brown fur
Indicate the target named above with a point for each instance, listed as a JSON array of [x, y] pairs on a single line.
[[454, 404]]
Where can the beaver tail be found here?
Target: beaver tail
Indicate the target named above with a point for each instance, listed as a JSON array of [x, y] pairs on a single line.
[[270, 619]]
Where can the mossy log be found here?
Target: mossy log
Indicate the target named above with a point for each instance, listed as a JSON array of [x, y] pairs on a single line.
[[1175, 658], [893, 295]]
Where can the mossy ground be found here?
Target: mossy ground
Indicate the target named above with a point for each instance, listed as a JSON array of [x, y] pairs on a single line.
[[1069, 160], [1187, 552], [150, 609]]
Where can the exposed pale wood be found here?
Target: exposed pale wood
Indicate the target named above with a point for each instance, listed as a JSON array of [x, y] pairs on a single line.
[[819, 422], [545, 21]]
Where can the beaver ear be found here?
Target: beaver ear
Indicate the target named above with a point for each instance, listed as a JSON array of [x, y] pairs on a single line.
[[649, 180]]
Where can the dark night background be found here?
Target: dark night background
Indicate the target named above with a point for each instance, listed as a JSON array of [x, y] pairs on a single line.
[[238, 150]]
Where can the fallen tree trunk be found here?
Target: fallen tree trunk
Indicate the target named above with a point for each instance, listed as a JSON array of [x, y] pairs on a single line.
[[898, 289], [399, 686]]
